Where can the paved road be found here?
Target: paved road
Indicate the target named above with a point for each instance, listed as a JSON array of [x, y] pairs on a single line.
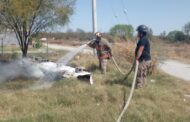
[[176, 69]]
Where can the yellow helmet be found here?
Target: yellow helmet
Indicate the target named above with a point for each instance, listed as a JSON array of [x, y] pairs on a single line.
[[98, 34]]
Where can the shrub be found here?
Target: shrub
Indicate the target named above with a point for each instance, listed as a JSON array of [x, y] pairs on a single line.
[[176, 36]]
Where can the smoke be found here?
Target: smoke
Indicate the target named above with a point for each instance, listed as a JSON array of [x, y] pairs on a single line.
[[19, 69], [25, 68]]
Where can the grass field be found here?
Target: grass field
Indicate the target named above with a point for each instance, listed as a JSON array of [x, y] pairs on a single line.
[[71, 100]]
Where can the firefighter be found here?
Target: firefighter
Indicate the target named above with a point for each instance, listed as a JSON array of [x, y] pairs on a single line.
[[142, 55], [103, 49]]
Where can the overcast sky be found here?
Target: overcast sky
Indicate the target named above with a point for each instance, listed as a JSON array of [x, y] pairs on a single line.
[[159, 15]]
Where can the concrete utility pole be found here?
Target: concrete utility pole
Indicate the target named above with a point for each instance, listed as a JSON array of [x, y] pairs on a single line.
[[47, 50], [94, 16], [2, 46]]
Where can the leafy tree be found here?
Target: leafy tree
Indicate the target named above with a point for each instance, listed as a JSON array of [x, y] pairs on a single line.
[[176, 36], [122, 30], [28, 17], [186, 29]]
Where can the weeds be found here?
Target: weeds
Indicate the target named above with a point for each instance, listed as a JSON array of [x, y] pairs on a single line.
[[70, 100]]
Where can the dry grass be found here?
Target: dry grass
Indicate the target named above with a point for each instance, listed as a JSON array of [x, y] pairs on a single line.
[[70, 100], [165, 49]]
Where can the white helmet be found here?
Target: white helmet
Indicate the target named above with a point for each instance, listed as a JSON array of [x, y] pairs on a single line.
[[98, 34]]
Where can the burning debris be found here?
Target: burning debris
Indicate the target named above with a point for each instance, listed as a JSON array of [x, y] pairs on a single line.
[[63, 71], [45, 72]]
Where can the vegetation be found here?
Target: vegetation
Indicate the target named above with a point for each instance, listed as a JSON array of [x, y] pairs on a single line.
[[37, 44], [121, 30], [176, 35], [186, 29], [26, 17], [71, 100]]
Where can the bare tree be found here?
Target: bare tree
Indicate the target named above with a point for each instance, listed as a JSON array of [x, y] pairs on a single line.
[[28, 17]]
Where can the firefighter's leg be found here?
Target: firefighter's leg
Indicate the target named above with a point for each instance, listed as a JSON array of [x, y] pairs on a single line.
[[100, 64], [140, 76], [104, 65]]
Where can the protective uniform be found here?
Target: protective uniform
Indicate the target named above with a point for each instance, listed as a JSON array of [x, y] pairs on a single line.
[[103, 49], [145, 58]]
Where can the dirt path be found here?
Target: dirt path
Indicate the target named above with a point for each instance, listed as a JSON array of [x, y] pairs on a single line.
[[176, 69]]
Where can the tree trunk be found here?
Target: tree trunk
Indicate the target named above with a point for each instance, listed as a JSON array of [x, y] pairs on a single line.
[[24, 52]]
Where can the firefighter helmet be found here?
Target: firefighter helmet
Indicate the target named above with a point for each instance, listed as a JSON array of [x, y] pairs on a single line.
[[98, 34], [142, 28]]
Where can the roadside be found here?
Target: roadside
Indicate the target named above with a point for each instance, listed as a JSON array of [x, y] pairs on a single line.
[[66, 48], [176, 69]]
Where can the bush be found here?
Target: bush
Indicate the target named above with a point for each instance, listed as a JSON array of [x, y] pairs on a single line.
[[123, 31], [176, 36], [38, 44], [14, 55]]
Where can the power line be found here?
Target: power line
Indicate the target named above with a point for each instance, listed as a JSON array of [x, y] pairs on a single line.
[[115, 16], [125, 11]]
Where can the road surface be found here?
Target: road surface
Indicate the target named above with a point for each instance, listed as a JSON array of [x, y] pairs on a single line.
[[176, 69]]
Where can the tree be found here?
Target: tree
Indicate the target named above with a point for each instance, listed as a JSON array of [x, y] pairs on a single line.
[[122, 30], [28, 17], [150, 33], [186, 29], [163, 35], [176, 36], [78, 30]]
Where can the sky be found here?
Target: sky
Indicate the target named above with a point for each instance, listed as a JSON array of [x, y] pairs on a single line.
[[160, 15]]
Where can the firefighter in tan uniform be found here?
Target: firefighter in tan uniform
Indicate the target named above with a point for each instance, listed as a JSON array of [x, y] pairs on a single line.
[[142, 55], [103, 49]]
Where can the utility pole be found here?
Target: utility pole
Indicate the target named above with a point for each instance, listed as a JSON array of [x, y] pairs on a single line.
[[94, 16], [47, 51], [2, 46], [94, 19]]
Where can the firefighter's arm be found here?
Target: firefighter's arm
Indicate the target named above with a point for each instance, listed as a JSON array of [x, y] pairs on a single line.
[[109, 46], [91, 44], [139, 53]]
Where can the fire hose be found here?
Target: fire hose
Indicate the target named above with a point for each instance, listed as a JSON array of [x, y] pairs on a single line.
[[115, 63], [119, 69], [130, 95], [132, 88]]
